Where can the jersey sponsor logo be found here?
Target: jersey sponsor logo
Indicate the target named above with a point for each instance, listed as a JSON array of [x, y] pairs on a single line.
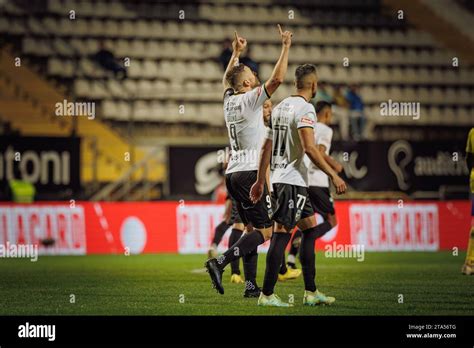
[[279, 166], [245, 156], [388, 227], [307, 120]]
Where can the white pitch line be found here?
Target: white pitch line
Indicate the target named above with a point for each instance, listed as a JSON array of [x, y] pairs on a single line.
[[198, 270]]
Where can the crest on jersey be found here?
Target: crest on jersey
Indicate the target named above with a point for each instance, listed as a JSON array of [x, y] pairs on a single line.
[[298, 215]]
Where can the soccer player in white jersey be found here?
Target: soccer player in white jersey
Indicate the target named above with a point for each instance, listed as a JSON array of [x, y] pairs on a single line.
[[318, 181], [243, 108], [289, 138], [286, 273]]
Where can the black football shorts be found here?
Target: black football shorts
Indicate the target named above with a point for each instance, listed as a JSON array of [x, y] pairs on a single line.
[[259, 214], [292, 204], [322, 201], [234, 215]]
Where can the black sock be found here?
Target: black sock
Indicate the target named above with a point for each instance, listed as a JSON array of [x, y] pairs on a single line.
[[250, 269], [244, 245], [219, 232], [308, 258], [234, 237], [274, 257], [322, 229], [295, 243], [283, 268]]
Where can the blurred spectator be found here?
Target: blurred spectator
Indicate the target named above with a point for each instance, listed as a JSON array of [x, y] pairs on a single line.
[[322, 94], [340, 101], [356, 113], [247, 60], [339, 97], [226, 53], [106, 59]]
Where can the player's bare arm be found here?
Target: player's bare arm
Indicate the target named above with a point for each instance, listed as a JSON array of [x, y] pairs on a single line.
[[312, 151], [256, 191], [267, 114], [238, 46], [330, 160], [267, 176], [279, 72]]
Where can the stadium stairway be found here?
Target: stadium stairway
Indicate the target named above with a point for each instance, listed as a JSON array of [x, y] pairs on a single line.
[[28, 103]]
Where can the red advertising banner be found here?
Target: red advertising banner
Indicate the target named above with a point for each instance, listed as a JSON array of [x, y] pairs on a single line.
[[91, 228], [389, 226], [33, 224], [136, 228], [160, 227]]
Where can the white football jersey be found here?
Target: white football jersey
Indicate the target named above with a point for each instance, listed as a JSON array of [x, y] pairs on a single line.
[[323, 136], [287, 163], [244, 120]]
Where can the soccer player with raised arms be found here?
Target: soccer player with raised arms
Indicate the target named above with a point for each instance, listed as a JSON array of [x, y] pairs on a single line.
[[243, 109], [289, 138]]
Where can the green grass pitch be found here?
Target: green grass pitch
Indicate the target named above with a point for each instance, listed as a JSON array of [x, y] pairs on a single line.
[[431, 284]]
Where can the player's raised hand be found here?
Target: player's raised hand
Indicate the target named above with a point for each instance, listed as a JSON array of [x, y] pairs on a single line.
[[339, 184], [285, 36], [256, 192], [239, 43], [235, 61]]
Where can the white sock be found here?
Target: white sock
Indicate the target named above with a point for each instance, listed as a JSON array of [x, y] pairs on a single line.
[[291, 258]]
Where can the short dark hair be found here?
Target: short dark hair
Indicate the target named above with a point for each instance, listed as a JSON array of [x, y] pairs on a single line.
[[302, 71], [232, 76], [320, 105]]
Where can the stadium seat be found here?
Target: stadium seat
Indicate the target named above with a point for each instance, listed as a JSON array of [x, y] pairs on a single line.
[[168, 57], [144, 89], [466, 116], [382, 94], [141, 111]]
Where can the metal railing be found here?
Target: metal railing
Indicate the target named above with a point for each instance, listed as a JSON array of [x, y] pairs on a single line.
[[127, 187]]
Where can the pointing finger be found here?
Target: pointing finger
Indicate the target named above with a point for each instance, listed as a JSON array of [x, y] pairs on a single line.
[[279, 29]]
